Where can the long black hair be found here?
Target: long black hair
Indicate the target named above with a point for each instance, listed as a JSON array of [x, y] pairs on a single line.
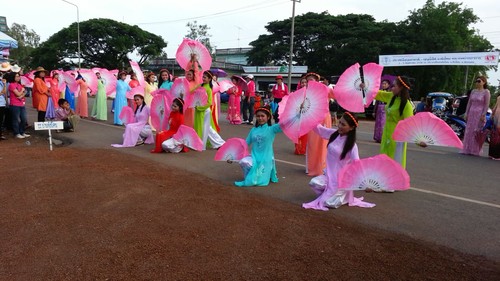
[[160, 80], [142, 105], [351, 119], [211, 76], [180, 103], [404, 84]]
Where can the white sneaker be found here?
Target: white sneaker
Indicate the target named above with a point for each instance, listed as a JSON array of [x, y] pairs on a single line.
[[18, 136], [26, 135]]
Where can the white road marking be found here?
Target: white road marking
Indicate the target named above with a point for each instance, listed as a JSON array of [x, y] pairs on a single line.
[[420, 190]]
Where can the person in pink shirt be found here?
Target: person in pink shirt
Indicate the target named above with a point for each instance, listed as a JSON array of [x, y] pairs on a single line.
[[279, 91], [17, 105], [249, 101]]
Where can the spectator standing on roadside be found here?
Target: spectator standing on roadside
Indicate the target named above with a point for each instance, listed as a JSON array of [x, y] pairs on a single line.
[[279, 91]]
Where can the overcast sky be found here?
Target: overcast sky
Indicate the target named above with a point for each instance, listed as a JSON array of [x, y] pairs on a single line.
[[232, 23]]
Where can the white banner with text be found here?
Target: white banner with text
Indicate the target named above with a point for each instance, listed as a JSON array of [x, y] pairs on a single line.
[[478, 58]]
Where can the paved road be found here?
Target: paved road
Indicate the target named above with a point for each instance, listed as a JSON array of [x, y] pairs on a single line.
[[454, 200]]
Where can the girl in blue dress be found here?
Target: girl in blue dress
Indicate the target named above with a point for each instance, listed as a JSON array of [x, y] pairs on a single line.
[[259, 168], [121, 97]]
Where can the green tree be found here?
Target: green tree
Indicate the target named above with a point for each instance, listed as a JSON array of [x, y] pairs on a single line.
[[327, 44], [445, 28], [104, 43], [200, 32], [27, 40]]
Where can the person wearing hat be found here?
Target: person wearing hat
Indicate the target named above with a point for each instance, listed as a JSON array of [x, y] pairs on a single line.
[[248, 101], [121, 97], [138, 132], [279, 91], [15, 68], [5, 66], [41, 93]]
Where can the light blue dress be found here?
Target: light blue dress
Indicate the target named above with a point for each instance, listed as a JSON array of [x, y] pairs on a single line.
[[120, 100], [263, 166], [166, 85]]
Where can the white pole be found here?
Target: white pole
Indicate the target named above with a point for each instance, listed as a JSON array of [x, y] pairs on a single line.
[[291, 46], [77, 30], [50, 139]]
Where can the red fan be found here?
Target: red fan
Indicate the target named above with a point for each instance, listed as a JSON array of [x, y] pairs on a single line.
[[188, 137], [428, 128], [198, 98], [233, 149], [127, 115], [376, 173], [348, 92]]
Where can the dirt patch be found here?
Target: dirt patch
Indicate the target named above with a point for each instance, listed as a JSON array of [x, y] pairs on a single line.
[[100, 214]]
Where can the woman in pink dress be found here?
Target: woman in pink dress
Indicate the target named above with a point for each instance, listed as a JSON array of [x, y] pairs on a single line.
[[138, 132], [233, 105], [54, 89], [82, 107], [475, 115], [342, 150]]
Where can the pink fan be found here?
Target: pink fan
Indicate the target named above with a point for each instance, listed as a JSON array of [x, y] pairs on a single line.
[[189, 47], [69, 79], [188, 137], [234, 149], [61, 85], [180, 88], [282, 105], [137, 70], [127, 115], [135, 91], [198, 98], [428, 128], [225, 85], [348, 92], [376, 173], [160, 110], [109, 81], [90, 78], [26, 81], [304, 110]]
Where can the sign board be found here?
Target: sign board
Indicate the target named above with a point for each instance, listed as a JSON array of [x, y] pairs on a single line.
[[275, 69], [49, 125], [477, 58]]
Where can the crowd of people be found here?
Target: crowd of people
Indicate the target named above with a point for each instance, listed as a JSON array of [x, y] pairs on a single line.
[[328, 147]]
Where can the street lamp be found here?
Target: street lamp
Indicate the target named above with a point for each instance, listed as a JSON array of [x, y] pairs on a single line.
[[78, 29], [291, 46]]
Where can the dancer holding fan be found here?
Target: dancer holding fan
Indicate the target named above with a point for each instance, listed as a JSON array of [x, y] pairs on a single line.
[[342, 150], [259, 168], [137, 132], [398, 107], [164, 140]]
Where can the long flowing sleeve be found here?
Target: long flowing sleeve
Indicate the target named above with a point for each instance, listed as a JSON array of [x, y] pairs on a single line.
[[324, 132], [384, 96]]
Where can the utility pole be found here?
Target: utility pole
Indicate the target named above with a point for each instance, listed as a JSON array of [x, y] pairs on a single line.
[[291, 45], [77, 30]]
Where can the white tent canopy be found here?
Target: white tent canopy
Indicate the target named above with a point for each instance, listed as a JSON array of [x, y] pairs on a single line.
[[7, 42]]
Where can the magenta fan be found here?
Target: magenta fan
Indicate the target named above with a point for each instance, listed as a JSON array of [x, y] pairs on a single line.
[[282, 105], [190, 47], [135, 91], [180, 88], [377, 173], [241, 83], [188, 137], [348, 92], [28, 82], [160, 110], [69, 80], [234, 149], [198, 98], [127, 115], [428, 128], [304, 110]]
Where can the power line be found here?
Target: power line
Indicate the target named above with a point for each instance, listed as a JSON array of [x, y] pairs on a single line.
[[227, 12]]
